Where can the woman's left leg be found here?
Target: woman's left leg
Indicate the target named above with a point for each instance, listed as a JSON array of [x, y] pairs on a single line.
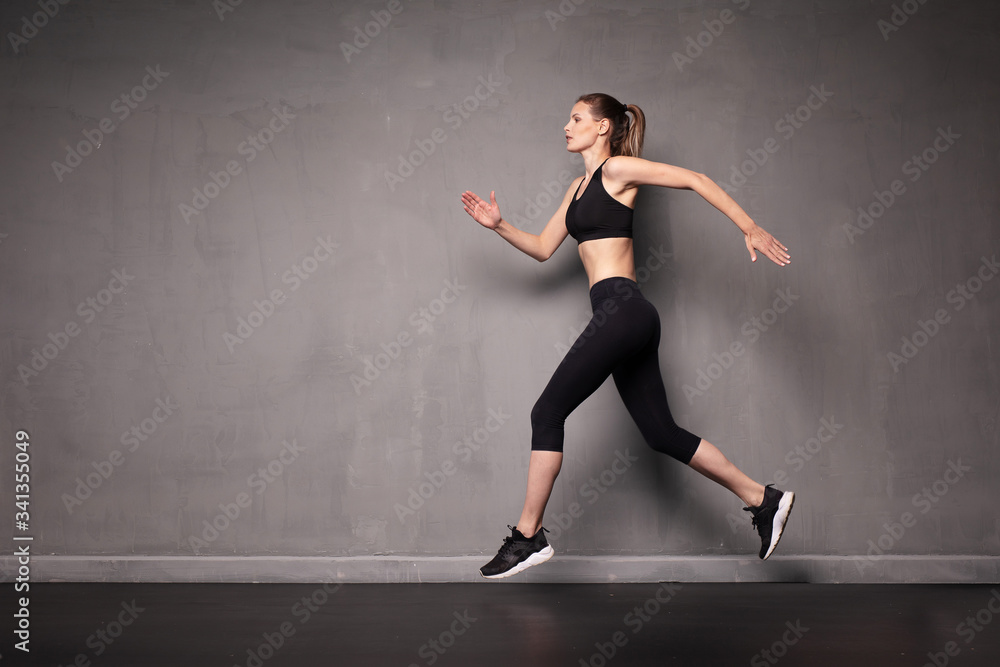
[[712, 463], [641, 387]]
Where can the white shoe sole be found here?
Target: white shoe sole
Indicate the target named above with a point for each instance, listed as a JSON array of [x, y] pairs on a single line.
[[780, 517], [534, 559]]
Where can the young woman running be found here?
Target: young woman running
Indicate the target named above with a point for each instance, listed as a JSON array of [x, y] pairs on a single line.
[[623, 337]]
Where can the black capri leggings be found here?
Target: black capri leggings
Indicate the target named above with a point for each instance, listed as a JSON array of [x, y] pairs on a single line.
[[622, 339]]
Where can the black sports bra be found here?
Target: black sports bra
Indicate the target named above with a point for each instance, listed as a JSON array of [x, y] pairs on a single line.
[[597, 215]]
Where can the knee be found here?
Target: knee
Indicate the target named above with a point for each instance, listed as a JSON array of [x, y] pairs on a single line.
[[546, 428], [678, 444], [544, 414]]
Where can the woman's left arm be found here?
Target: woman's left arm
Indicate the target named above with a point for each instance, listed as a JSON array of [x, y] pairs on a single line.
[[633, 171]]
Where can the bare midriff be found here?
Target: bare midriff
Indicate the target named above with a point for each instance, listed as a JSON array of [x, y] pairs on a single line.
[[607, 258]]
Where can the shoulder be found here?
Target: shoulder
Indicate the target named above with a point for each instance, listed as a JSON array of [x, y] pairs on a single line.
[[633, 171], [622, 173], [621, 167]]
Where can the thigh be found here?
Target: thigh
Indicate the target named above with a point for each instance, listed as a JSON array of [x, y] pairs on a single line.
[[618, 330], [640, 383]]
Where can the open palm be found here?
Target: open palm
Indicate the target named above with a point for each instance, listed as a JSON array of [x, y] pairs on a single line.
[[486, 214]]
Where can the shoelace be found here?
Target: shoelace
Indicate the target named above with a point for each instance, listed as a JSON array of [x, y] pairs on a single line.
[[508, 542], [760, 516], [758, 511], [508, 546]]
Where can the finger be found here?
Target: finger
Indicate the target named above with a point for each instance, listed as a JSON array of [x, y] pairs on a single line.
[[773, 247], [493, 199]]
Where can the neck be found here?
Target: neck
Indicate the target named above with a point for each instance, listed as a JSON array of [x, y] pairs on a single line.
[[593, 157]]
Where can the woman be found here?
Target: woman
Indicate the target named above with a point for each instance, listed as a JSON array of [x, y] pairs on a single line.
[[624, 334]]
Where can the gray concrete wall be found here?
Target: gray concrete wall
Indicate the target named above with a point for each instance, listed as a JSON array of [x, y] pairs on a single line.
[[238, 286]]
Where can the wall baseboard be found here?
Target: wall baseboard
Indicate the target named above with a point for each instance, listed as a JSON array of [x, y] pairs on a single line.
[[458, 569]]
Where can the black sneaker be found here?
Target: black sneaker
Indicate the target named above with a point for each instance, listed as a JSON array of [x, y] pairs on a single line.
[[769, 519], [518, 553]]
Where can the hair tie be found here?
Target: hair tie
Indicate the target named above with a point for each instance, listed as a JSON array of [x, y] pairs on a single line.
[[624, 108]]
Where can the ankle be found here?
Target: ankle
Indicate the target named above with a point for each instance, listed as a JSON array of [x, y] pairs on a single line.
[[528, 531], [756, 499]]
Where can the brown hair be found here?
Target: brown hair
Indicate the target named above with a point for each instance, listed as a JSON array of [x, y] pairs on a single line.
[[626, 136]]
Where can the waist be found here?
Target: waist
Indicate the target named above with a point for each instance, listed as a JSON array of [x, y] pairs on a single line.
[[616, 287]]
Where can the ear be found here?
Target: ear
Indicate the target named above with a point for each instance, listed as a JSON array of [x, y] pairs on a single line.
[[605, 125]]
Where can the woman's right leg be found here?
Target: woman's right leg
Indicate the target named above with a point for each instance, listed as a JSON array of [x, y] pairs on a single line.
[[542, 471], [610, 337]]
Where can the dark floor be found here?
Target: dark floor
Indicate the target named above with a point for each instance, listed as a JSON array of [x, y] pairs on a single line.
[[509, 624]]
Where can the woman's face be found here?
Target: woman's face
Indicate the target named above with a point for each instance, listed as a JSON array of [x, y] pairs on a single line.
[[582, 130]]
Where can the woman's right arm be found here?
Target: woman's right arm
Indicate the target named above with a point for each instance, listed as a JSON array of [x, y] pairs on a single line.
[[537, 246]]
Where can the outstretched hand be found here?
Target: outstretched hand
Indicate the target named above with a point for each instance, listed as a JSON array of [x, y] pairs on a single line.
[[760, 239], [486, 214]]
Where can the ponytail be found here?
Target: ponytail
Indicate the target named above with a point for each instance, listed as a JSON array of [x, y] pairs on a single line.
[[632, 145]]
